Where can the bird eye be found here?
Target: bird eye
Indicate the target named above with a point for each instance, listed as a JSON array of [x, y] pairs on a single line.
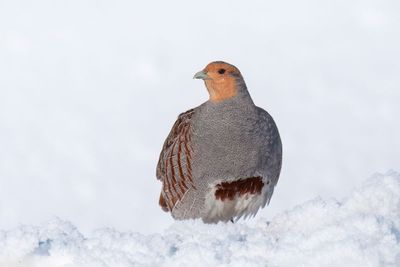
[[221, 71]]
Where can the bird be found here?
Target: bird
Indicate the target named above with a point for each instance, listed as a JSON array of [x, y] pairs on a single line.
[[222, 159]]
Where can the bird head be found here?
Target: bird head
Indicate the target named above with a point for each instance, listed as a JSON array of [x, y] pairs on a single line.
[[223, 80]]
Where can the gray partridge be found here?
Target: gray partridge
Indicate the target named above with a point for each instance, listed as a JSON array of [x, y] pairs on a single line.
[[222, 159]]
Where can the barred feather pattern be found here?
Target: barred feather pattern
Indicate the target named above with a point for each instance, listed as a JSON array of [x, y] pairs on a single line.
[[174, 167]]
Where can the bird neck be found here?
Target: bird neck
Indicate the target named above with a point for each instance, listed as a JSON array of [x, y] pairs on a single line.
[[228, 89]]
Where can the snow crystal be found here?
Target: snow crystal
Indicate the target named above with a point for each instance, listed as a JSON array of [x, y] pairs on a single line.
[[361, 230]]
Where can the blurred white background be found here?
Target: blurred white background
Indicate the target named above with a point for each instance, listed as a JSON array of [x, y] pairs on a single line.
[[90, 89]]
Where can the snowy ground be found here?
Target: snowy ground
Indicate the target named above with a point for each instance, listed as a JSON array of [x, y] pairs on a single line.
[[361, 230]]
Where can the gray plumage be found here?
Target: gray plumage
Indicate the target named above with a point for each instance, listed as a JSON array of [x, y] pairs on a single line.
[[218, 142]]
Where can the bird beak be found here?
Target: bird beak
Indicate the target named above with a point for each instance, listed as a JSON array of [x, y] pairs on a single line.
[[201, 75]]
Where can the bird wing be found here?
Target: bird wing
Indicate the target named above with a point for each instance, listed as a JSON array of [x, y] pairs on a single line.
[[269, 130], [174, 167]]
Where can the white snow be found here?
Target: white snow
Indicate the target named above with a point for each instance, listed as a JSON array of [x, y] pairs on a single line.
[[361, 230]]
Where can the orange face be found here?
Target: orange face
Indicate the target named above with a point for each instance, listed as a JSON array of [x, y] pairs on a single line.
[[219, 71], [220, 79]]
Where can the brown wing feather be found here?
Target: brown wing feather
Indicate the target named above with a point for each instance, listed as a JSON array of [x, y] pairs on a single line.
[[174, 167]]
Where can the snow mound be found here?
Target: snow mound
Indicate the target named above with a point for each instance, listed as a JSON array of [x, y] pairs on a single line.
[[362, 230]]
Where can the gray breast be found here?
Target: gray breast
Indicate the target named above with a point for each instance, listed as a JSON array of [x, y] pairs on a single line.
[[233, 141]]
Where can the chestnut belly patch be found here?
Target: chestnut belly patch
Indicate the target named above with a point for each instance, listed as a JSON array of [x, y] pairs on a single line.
[[229, 190]]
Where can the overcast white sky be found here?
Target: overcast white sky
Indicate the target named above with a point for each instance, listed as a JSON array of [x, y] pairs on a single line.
[[90, 89]]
